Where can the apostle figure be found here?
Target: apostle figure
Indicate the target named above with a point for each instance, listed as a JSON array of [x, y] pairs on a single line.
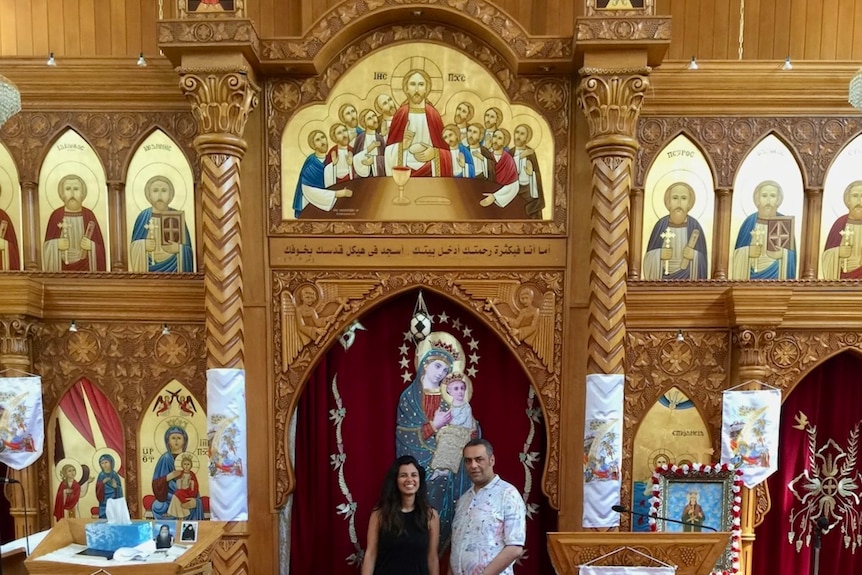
[[338, 164], [368, 148], [9, 255], [505, 173], [312, 183], [462, 159], [350, 118], [416, 133], [529, 176], [73, 238], [757, 255], [385, 107], [677, 245], [152, 249], [493, 120], [483, 158], [463, 116], [842, 256]]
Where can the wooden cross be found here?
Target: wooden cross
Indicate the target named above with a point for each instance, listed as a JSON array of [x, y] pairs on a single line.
[[171, 230], [756, 240], [667, 236], [846, 240], [64, 233]]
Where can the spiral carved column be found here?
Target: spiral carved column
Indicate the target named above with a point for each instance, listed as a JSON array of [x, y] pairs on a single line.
[[611, 101], [15, 337], [221, 103]]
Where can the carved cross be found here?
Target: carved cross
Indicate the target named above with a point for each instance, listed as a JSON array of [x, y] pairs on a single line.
[[846, 240], [667, 236], [756, 240]]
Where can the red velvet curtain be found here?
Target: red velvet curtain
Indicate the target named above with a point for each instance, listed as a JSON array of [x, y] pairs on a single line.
[[73, 406], [370, 377], [823, 412]]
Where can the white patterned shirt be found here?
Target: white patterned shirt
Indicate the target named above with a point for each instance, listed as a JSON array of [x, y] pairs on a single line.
[[484, 523]]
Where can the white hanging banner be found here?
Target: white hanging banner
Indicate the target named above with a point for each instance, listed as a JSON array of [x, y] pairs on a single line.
[[590, 570], [749, 433], [603, 443], [22, 428], [227, 432]]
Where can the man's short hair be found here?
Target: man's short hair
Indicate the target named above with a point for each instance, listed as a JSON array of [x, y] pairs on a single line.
[[507, 137], [333, 129], [856, 184], [313, 135], [527, 129], [675, 185], [470, 109], [363, 123], [765, 183], [342, 108], [480, 441]]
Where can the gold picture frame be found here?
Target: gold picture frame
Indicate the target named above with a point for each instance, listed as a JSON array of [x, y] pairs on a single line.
[[211, 8], [620, 8]]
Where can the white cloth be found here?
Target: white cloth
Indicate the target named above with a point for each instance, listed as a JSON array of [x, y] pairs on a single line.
[[227, 432], [749, 433], [613, 570], [22, 428], [603, 448]]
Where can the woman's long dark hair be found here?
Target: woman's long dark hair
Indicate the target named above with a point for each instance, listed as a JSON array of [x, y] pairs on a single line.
[[389, 504]]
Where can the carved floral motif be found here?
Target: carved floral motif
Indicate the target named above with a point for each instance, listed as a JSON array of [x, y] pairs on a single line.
[[616, 28]]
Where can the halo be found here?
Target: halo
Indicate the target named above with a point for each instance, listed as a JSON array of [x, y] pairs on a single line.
[[303, 132], [444, 387], [95, 189], [435, 90], [12, 186], [162, 426], [58, 469], [178, 461], [660, 452], [143, 175], [445, 338], [693, 179], [118, 462]]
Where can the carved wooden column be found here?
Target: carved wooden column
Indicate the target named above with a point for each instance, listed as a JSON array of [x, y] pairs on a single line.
[[721, 242], [636, 233], [117, 220], [221, 103], [611, 101], [811, 233], [31, 254], [15, 334]]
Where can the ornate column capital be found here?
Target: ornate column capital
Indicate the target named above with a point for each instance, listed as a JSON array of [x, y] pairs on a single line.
[[752, 343], [611, 101], [16, 333], [221, 101]]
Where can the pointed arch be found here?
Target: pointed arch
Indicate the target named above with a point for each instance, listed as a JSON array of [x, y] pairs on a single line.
[[787, 142], [686, 132]]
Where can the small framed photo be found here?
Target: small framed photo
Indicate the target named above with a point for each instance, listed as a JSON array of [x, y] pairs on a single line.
[[210, 8], [164, 533], [695, 498], [188, 532], [620, 8]]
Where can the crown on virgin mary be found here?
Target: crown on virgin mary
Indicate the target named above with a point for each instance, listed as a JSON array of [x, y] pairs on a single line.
[[447, 347], [180, 422]]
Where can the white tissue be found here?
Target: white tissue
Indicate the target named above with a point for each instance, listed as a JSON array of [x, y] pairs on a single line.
[[117, 512]]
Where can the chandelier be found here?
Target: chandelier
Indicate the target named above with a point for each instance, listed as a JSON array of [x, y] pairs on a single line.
[[10, 99], [855, 97]]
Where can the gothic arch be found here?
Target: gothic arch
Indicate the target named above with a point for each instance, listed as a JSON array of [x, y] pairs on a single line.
[[369, 289], [787, 142], [646, 162]]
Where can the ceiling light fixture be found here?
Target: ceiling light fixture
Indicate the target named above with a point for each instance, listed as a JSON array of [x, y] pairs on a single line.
[[693, 64]]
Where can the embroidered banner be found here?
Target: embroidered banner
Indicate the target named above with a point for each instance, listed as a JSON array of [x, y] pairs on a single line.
[[749, 433], [226, 434], [22, 429], [603, 440], [588, 570]]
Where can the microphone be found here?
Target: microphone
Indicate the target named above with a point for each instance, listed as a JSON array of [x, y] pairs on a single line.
[[8, 480], [622, 509]]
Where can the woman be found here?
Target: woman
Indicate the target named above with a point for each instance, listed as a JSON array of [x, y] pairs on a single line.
[[404, 529], [165, 477], [108, 484]]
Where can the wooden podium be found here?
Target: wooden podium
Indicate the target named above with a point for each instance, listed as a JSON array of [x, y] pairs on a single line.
[[195, 561], [691, 553]]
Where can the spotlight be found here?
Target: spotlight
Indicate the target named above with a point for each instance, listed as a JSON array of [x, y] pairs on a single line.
[[787, 65], [693, 64], [679, 336], [142, 62], [51, 61], [73, 327], [165, 329]]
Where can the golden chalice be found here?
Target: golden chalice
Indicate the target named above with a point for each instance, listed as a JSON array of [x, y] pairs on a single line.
[[401, 175]]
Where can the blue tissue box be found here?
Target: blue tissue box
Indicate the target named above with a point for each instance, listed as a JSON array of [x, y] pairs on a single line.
[[105, 537]]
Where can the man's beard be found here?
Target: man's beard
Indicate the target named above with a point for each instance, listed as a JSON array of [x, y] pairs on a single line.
[[417, 98]]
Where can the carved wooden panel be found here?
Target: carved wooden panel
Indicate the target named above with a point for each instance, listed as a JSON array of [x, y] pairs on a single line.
[[793, 354], [113, 135], [725, 141], [377, 285], [129, 363], [550, 96], [656, 361]]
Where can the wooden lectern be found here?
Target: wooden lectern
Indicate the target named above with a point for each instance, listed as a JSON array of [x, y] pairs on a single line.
[[692, 553], [195, 561]]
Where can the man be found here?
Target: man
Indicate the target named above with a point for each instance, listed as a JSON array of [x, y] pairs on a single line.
[[385, 107], [462, 159], [368, 147], [842, 256], [529, 176], [150, 250], [752, 257], [483, 159], [350, 117], [312, 183], [490, 524], [493, 120], [73, 238], [505, 173], [10, 258], [338, 165], [677, 246], [416, 134], [463, 114]]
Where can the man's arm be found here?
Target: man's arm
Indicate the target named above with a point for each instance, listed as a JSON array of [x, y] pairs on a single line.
[[504, 558]]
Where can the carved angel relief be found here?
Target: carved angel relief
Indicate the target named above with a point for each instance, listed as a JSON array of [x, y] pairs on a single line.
[[312, 309], [527, 314]]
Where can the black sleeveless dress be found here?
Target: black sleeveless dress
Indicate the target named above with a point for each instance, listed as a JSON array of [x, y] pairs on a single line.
[[404, 554]]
